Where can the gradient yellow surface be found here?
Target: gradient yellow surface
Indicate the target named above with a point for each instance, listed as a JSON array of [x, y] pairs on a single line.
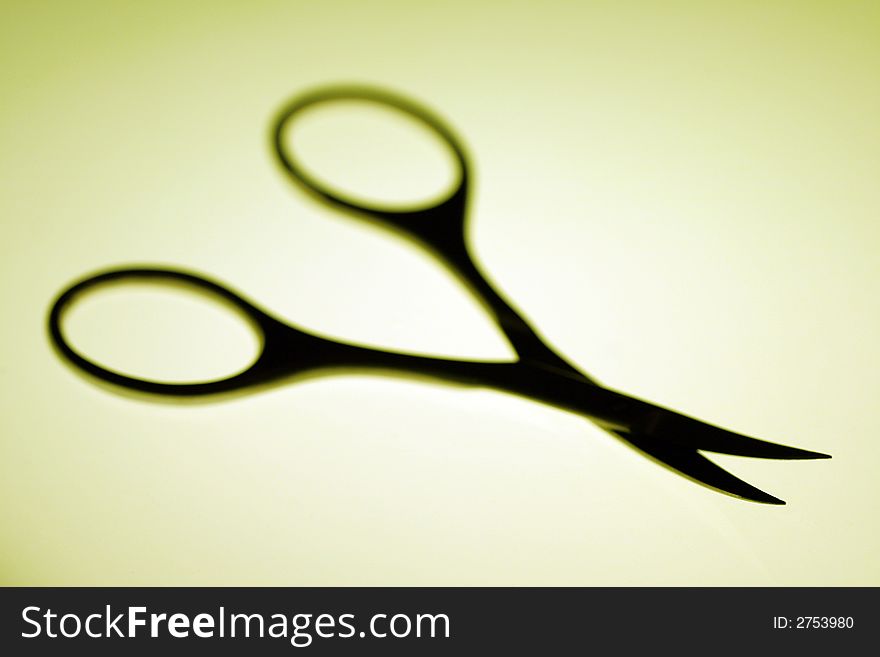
[[683, 197]]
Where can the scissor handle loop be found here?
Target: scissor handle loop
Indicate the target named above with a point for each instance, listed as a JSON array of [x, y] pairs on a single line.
[[449, 210], [264, 325]]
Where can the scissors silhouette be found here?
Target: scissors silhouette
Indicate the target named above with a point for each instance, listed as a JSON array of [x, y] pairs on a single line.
[[539, 372]]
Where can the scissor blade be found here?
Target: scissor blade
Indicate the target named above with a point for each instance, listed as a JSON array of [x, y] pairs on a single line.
[[690, 463], [619, 412], [684, 431]]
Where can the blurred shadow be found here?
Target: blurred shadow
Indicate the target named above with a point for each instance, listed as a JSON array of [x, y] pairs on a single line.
[[288, 354]]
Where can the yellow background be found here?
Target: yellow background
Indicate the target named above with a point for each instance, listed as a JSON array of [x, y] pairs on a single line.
[[682, 195]]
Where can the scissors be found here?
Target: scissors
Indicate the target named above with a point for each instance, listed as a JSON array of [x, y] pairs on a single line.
[[539, 372]]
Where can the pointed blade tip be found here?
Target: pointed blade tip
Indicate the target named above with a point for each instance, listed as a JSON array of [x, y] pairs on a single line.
[[805, 454], [759, 496]]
